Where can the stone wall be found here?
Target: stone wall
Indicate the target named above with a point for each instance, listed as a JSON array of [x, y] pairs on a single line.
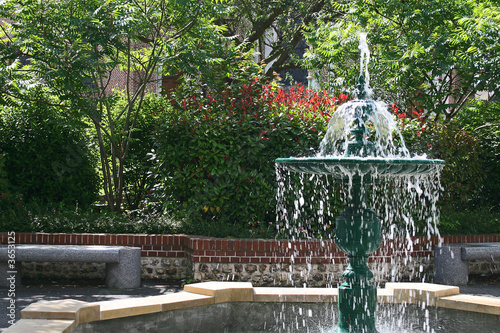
[[311, 275], [262, 262], [155, 268]]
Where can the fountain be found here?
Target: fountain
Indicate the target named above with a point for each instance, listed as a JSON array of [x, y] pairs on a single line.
[[351, 152]]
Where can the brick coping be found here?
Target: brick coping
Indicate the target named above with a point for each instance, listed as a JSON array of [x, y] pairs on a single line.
[[65, 315]]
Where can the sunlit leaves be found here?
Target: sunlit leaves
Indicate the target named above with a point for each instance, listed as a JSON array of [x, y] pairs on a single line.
[[423, 53]]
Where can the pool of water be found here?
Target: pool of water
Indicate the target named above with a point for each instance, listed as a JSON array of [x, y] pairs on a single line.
[[293, 317]]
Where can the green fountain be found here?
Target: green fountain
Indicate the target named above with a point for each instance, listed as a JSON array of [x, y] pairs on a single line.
[[351, 152]]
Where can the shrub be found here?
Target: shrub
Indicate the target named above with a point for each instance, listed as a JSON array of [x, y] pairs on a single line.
[[216, 153], [469, 144], [462, 176], [481, 118], [4, 183], [139, 183], [481, 220], [46, 217], [46, 156]]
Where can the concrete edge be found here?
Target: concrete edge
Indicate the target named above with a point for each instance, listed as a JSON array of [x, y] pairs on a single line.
[[66, 309], [65, 315], [42, 326], [482, 304]]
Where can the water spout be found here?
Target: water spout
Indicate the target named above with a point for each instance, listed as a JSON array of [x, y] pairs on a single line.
[[363, 65]]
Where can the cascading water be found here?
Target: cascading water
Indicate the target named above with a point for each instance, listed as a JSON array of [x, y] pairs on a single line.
[[360, 163]]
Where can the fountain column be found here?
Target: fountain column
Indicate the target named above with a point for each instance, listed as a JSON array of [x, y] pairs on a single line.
[[358, 233]]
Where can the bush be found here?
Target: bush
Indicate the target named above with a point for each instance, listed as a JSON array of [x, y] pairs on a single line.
[[216, 153], [42, 217], [481, 220], [470, 146], [462, 177], [139, 183], [482, 119], [47, 157], [4, 182]]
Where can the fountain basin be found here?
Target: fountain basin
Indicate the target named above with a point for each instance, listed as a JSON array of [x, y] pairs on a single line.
[[343, 167], [72, 315]]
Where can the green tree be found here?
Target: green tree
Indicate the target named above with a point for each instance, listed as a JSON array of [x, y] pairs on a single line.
[[275, 28], [76, 47], [432, 54]]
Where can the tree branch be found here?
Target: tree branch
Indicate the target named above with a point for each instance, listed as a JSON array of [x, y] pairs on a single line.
[[260, 27], [297, 38]]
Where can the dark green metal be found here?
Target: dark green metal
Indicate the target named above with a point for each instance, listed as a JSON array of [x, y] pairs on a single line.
[[358, 229], [342, 167], [360, 146], [358, 233]]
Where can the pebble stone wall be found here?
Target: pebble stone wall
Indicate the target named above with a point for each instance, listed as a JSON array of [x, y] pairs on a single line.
[[260, 261]]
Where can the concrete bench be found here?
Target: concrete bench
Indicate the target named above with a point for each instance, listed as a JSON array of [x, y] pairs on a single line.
[[123, 264], [451, 260]]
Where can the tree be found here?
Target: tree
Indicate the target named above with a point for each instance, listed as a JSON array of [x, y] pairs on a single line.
[[76, 48], [275, 29], [432, 54]]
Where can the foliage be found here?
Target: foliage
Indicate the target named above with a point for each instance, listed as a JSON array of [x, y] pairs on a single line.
[[139, 185], [10, 209], [216, 152], [48, 217], [275, 29], [462, 177], [77, 47], [481, 118], [4, 181], [45, 157], [482, 220], [430, 55]]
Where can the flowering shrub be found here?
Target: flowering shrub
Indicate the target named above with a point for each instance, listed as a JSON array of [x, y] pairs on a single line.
[[216, 152]]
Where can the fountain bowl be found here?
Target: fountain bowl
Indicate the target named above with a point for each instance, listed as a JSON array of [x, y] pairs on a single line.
[[343, 167]]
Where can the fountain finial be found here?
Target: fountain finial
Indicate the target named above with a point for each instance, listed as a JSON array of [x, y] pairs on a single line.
[[362, 93]]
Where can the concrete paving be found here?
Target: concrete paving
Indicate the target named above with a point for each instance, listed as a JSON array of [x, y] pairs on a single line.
[[94, 291]]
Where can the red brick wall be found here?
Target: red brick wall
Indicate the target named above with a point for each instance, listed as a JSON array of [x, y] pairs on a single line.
[[216, 250]]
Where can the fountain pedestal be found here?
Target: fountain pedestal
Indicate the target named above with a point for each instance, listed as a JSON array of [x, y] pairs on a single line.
[[357, 299], [357, 233]]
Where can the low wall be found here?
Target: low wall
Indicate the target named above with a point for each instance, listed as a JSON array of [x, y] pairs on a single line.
[[264, 262]]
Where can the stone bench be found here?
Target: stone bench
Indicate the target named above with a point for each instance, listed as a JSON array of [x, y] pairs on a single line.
[[451, 260], [123, 264]]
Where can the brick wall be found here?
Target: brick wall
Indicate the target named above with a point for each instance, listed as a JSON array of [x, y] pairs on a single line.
[[262, 261]]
